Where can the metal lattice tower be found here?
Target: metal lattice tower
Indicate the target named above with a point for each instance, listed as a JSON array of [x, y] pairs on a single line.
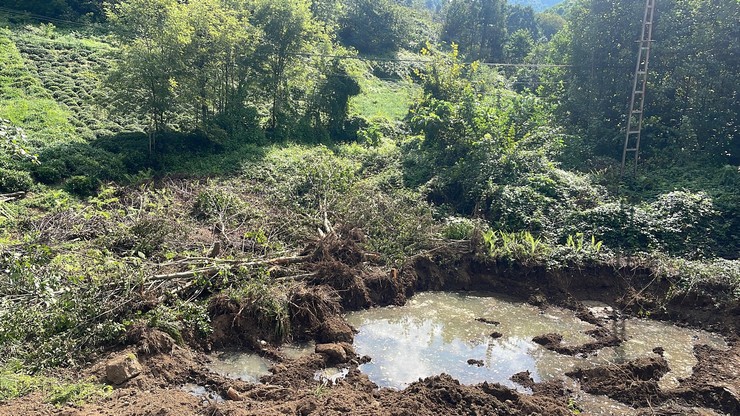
[[637, 100]]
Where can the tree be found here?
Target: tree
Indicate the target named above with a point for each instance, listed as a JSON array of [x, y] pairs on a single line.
[[373, 26], [480, 143], [153, 34], [549, 24], [692, 99], [518, 46], [478, 27], [220, 35], [289, 29]]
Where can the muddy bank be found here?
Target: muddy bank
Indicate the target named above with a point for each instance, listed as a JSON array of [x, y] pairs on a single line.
[[630, 290], [342, 280]]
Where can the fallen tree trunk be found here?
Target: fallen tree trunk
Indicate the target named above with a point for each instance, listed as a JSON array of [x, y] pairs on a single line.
[[279, 261]]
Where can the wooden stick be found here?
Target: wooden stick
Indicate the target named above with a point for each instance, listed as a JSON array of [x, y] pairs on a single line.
[[214, 269]]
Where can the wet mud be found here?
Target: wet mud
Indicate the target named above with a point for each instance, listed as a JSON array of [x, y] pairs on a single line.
[[345, 278]]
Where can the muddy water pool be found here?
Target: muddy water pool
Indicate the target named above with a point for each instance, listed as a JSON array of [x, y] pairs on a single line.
[[438, 333]]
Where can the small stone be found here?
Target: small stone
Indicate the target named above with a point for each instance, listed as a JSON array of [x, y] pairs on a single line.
[[348, 348], [122, 369], [234, 395], [335, 352], [477, 363], [277, 369], [335, 329]]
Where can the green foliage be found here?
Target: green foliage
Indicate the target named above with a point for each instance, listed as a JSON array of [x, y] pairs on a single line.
[[309, 179], [680, 223], [685, 117], [264, 301], [182, 317], [77, 394], [13, 141], [522, 246], [458, 228], [81, 185], [374, 27], [14, 180], [479, 27], [14, 383]]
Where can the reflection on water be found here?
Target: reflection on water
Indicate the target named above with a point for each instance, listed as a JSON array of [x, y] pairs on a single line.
[[247, 366], [437, 333], [296, 351], [202, 391]]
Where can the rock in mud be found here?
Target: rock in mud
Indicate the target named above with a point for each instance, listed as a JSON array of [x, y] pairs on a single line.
[[523, 379], [122, 369], [604, 338], [488, 321], [335, 329], [477, 363], [548, 339], [234, 395], [336, 353], [634, 383]]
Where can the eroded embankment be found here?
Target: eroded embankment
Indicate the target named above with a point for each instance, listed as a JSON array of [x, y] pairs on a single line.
[[344, 278]]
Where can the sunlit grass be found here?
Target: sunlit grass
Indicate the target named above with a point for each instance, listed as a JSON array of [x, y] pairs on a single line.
[[383, 99]]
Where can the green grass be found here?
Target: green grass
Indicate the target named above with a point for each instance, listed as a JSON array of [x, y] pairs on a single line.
[[72, 70], [383, 99], [24, 100], [14, 384]]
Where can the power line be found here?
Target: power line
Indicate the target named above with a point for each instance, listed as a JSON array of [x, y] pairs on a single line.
[[39, 17], [427, 61]]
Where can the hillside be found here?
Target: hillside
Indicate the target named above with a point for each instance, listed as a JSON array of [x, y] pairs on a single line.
[[186, 181]]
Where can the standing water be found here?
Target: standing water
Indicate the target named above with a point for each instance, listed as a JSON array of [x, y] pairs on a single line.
[[438, 333]]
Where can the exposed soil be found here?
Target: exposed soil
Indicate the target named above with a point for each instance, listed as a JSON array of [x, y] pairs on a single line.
[[346, 278]]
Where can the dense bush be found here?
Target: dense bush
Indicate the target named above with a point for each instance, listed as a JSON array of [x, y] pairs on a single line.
[[14, 180], [77, 159]]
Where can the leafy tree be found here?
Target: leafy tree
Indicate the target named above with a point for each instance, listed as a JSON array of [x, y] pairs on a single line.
[[692, 100], [331, 105], [153, 34], [220, 37], [521, 18], [518, 46], [478, 27], [373, 26], [289, 30], [480, 143], [549, 24]]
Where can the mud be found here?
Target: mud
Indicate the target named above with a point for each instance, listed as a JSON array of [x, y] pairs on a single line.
[[604, 338], [346, 278]]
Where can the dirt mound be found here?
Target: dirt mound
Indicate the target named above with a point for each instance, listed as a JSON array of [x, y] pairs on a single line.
[[634, 383], [311, 307], [444, 395], [715, 382], [553, 342]]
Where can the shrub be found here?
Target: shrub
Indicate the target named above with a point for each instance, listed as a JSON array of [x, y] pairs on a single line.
[[458, 228], [81, 185], [14, 180]]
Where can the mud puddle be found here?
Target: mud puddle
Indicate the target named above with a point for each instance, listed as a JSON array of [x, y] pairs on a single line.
[[477, 337], [249, 366]]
